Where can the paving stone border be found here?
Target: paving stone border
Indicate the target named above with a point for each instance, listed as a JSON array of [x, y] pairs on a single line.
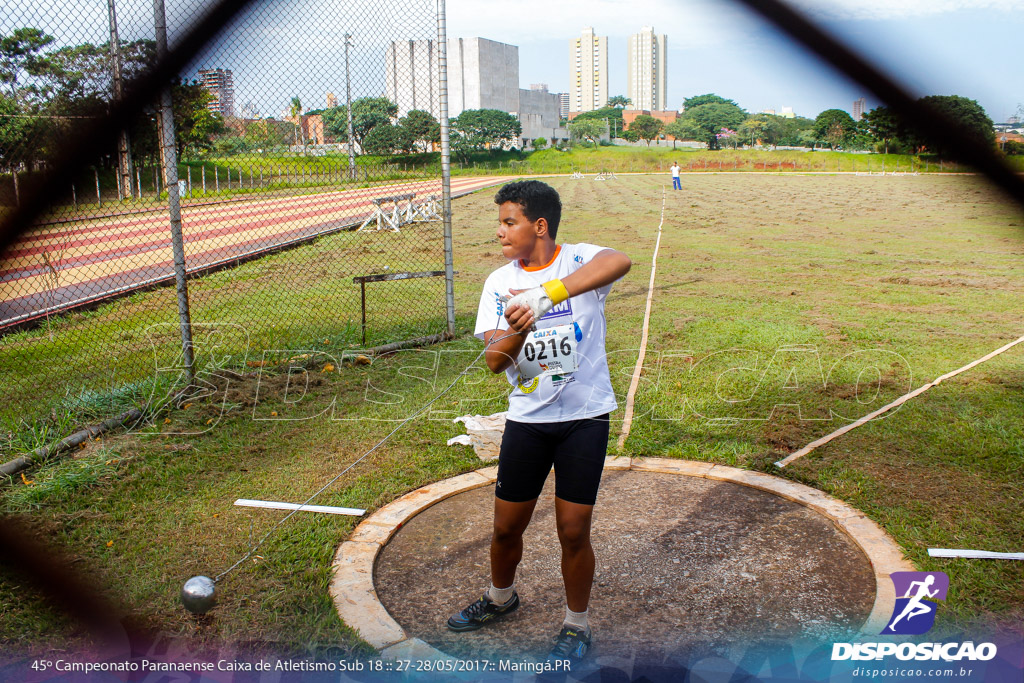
[[356, 599]]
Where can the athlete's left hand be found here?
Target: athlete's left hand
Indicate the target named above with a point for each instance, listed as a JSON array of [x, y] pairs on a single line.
[[535, 299]]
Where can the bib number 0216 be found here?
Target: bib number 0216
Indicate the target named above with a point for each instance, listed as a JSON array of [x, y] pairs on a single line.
[[550, 350]]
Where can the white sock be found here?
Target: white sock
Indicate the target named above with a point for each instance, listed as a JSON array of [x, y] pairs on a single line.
[[576, 619], [500, 595]]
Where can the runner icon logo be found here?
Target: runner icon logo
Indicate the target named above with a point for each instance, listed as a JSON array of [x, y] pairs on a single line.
[[914, 612]]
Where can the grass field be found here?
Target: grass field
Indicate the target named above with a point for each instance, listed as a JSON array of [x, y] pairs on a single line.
[[784, 305]]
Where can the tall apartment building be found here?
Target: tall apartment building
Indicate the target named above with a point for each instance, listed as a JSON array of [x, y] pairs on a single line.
[[563, 105], [220, 83], [860, 107], [647, 71], [482, 74], [588, 71]]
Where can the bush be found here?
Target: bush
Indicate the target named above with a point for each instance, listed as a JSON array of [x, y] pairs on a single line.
[[1013, 147], [540, 143]]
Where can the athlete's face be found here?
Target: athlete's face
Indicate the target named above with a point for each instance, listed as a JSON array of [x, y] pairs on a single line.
[[517, 234]]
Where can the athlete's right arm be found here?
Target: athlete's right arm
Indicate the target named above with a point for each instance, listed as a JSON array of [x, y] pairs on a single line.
[[503, 352]]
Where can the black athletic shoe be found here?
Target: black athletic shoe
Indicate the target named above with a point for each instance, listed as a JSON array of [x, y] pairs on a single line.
[[571, 645], [481, 613]]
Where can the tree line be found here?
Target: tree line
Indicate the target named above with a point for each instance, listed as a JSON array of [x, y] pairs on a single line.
[[719, 122]]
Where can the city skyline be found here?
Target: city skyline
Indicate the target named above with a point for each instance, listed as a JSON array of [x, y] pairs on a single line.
[[961, 47]]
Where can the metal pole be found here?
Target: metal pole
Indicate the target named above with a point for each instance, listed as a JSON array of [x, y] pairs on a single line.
[[124, 159], [348, 112], [170, 159], [446, 168], [99, 198], [17, 193]]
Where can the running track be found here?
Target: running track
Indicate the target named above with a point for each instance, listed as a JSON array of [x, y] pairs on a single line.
[[105, 257]]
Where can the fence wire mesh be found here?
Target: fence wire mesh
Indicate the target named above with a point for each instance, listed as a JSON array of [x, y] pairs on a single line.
[[301, 231]]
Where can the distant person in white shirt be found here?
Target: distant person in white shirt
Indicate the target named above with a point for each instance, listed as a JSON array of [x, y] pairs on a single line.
[[676, 185], [549, 340]]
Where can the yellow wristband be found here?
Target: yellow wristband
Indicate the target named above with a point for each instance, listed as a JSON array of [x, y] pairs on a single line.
[[556, 291]]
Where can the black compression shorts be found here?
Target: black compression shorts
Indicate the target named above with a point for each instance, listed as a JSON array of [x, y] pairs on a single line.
[[575, 448]]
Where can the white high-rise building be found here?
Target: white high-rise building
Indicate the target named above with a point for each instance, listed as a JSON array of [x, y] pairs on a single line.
[[482, 74], [860, 107], [647, 74], [588, 71]]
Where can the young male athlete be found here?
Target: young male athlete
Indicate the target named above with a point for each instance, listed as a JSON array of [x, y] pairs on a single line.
[[542, 317]]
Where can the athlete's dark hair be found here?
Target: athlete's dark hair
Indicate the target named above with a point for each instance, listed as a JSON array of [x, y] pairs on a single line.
[[537, 199]]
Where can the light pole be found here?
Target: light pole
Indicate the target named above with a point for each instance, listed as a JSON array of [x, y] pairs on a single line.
[[348, 112], [124, 160]]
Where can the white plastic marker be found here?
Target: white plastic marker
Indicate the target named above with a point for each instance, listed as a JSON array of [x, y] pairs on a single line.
[[274, 505], [974, 554], [627, 420], [898, 402]]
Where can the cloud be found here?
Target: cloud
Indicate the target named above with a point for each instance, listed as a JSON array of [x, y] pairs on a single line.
[[854, 10]]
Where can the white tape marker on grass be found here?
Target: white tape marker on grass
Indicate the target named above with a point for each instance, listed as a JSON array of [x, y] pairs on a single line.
[[273, 505], [627, 420], [898, 402], [974, 554]]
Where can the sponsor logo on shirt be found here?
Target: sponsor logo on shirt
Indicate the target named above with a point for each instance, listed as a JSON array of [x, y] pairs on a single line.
[[560, 311]]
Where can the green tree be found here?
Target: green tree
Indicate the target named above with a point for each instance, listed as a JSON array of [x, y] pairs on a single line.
[[611, 115], [367, 113], [478, 129], [754, 129], [835, 127], [590, 130], [967, 116], [710, 118], [630, 135], [422, 127], [710, 98], [195, 125], [540, 143], [382, 139], [647, 127], [679, 129], [619, 101], [883, 124], [20, 57]]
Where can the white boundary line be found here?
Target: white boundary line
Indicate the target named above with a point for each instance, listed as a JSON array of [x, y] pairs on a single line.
[[974, 554], [274, 505], [627, 420], [898, 402]]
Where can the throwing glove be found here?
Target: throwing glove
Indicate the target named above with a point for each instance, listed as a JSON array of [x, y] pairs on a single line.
[[541, 299]]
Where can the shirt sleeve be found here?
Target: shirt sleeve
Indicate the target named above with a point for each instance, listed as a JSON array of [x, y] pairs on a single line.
[[583, 253], [490, 315]]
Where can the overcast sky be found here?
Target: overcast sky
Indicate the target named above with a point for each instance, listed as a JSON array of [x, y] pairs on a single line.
[[286, 48]]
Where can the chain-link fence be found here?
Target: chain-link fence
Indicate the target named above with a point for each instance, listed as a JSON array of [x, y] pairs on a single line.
[[305, 164]]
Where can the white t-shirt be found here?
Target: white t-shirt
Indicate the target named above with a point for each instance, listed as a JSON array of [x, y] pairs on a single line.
[[555, 398], [675, 170]]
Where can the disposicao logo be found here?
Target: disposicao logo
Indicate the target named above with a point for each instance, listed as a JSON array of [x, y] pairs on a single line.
[[914, 612]]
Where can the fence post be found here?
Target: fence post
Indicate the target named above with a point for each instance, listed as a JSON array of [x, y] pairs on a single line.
[[216, 179], [138, 181], [17, 193], [99, 198], [188, 169], [446, 167], [74, 197], [170, 159]]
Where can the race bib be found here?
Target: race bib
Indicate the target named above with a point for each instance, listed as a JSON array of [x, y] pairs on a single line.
[[551, 350]]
